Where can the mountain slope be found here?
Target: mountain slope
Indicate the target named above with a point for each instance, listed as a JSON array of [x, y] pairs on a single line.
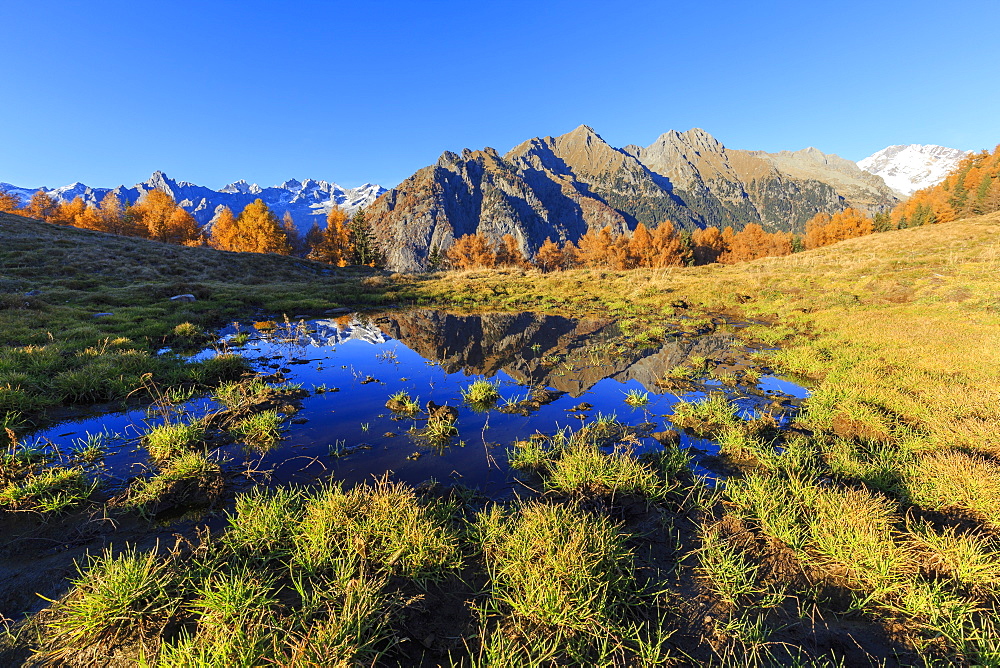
[[907, 168], [306, 201], [559, 187]]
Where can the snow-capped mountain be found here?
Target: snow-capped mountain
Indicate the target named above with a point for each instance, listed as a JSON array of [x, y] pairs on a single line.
[[306, 201], [906, 168]]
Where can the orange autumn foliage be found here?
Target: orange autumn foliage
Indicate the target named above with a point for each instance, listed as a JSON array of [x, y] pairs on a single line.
[[824, 229], [471, 251]]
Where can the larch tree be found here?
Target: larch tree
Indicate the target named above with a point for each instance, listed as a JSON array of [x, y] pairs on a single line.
[[708, 245], [68, 213], [154, 211], [225, 233], [9, 202], [182, 228], [641, 246], [509, 254], [549, 256], [335, 246], [260, 230], [595, 248], [296, 241], [41, 206], [471, 251], [668, 250], [570, 255], [312, 238]]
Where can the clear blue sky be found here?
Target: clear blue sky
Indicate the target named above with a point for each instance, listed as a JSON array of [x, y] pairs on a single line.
[[106, 92]]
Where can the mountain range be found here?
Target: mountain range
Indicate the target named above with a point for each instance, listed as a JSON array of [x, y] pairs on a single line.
[[307, 201], [560, 187]]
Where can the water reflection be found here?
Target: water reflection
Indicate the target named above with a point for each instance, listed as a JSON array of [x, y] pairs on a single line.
[[562, 371]]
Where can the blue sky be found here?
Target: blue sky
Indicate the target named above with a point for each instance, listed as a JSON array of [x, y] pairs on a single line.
[[107, 92]]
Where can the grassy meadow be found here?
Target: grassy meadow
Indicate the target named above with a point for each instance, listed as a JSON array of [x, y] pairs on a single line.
[[866, 534]]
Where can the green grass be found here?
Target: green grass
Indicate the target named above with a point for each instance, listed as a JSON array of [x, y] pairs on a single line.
[[259, 430], [48, 490], [173, 438], [237, 395], [383, 526], [439, 431], [555, 566], [572, 463], [707, 417], [481, 395], [637, 398], [263, 522], [402, 404], [189, 477], [115, 595]]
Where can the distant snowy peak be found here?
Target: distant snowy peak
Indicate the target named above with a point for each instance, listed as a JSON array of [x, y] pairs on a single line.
[[306, 201], [907, 168], [241, 187]]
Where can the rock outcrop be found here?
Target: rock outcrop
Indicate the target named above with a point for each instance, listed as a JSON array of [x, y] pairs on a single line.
[[559, 187]]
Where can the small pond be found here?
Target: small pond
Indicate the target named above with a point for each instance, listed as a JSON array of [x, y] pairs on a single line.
[[351, 364]]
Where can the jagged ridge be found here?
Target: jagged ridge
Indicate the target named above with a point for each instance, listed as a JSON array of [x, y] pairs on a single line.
[[559, 187], [306, 201]]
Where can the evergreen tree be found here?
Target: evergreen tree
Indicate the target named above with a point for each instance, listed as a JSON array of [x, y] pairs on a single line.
[[434, 259], [364, 248]]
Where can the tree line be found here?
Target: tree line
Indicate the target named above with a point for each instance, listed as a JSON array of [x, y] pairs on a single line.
[[256, 229], [973, 188], [663, 246]]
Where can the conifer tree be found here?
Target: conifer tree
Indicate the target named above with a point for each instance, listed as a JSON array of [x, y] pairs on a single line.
[[67, 213], [313, 238], [707, 245], [434, 259], [154, 211], [549, 256], [595, 248], [641, 247], [668, 250], [335, 247], [296, 242], [183, 229], [9, 203], [509, 253], [224, 232], [570, 255], [471, 251], [41, 207], [364, 248], [261, 231], [111, 217]]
